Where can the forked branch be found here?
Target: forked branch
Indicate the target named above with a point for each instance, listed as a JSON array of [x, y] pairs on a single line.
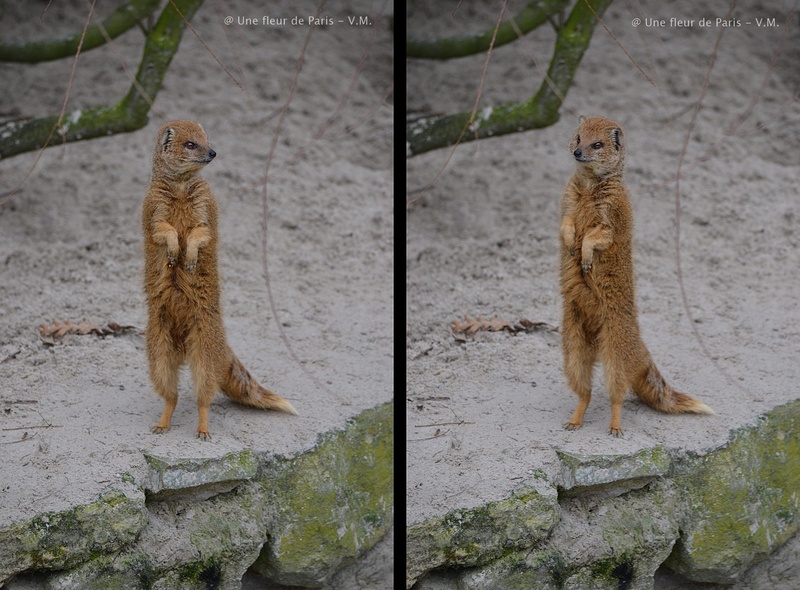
[[540, 111], [123, 18], [127, 115], [530, 17]]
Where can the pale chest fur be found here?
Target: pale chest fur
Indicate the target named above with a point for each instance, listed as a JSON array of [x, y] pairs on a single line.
[[593, 205], [183, 207]]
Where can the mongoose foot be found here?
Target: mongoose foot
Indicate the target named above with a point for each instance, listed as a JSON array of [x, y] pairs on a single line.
[[170, 261], [190, 266], [586, 265], [158, 429], [204, 436], [572, 426], [616, 432]]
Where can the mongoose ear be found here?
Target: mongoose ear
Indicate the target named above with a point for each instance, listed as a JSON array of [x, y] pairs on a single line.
[[616, 135], [166, 139]]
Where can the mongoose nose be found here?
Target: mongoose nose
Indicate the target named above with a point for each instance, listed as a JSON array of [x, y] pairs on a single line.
[[577, 153], [212, 154]]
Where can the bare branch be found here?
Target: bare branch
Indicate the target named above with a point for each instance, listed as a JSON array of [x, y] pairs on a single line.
[[530, 17], [122, 19], [540, 111], [127, 115]]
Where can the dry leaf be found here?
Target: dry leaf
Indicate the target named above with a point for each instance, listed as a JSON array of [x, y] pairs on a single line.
[[469, 326], [114, 327], [529, 326], [57, 330]]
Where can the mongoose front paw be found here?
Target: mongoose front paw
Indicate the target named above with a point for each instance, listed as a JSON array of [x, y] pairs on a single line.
[[568, 235], [170, 261], [587, 254], [190, 266]]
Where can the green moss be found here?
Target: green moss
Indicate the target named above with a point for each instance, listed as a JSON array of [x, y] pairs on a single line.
[[476, 536], [141, 568], [617, 570], [333, 502], [742, 499], [558, 569], [57, 540], [114, 572], [227, 526], [205, 574]]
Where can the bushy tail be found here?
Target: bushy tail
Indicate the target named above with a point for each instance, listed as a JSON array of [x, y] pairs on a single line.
[[240, 386], [656, 393]]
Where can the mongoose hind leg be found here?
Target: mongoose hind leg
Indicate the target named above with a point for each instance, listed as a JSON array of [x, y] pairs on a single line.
[[580, 354], [166, 416], [202, 421], [618, 387], [204, 366], [164, 362], [615, 427], [577, 416], [205, 386]]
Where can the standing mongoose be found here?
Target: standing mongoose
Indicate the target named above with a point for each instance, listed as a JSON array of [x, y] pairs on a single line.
[[181, 281], [600, 318]]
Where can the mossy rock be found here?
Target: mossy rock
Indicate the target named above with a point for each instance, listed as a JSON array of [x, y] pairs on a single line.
[[59, 540], [742, 500], [476, 536], [332, 503]]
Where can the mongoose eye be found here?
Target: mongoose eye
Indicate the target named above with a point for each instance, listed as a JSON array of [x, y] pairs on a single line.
[[189, 145], [597, 145]]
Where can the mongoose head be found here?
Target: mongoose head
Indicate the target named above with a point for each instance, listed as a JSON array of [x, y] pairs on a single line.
[[181, 149], [599, 146]]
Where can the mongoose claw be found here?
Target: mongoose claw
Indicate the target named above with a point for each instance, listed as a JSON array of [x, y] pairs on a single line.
[[170, 261], [586, 265], [190, 266]]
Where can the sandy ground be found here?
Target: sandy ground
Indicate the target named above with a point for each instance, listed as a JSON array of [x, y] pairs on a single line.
[[77, 414], [484, 413]]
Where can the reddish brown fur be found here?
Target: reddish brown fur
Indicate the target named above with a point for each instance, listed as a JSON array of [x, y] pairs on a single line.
[[600, 317], [179, 219]]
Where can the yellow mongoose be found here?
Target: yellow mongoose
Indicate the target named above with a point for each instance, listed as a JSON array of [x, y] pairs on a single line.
[[600, 318], [179, 219]]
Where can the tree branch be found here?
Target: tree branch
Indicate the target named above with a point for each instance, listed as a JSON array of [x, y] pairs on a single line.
[[540, 111], [122, 19], [530, 17], [127, 115]]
